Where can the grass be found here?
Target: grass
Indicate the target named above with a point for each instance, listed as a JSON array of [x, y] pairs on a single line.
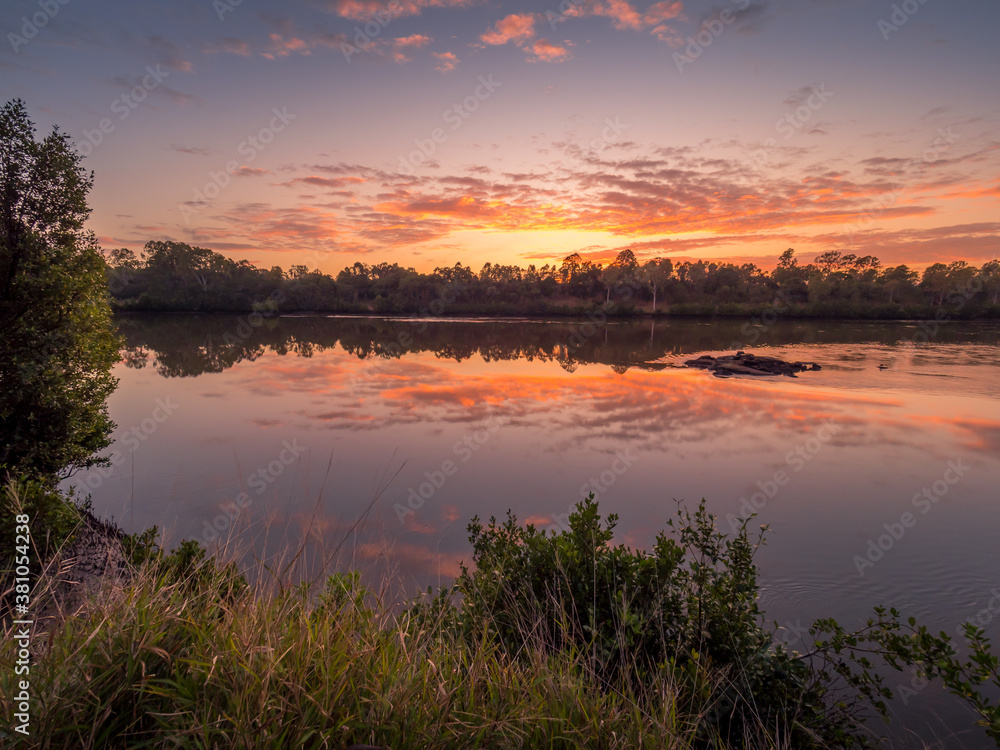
[[201, 662]]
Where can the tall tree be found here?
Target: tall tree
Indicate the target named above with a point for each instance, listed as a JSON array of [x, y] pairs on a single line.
[[621, 271], [935, 282], [896, 279], [57, 341], [656, 273], [990, 276]]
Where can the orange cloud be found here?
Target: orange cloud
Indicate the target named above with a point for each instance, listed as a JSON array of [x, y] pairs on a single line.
[[986, 192], [400, 44], [545, 51], [414, 40], [625, 17], [447, 61], [663, 11], [366, 10], [281, 47], [677, 200], [622, 14], [517, 28]]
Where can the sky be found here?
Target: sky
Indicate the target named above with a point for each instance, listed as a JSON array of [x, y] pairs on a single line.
[[430, 132]]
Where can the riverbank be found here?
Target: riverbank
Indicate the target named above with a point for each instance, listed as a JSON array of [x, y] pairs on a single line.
[[766, 312]]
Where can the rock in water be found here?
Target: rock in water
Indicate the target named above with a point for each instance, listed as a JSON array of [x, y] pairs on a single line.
[[743, 363]]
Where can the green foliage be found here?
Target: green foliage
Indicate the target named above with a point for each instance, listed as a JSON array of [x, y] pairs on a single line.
[[52, 517], [688, 608], [141, 546], [58, 344], [177, 276], [186, 566], [156, 665], [972, 679]]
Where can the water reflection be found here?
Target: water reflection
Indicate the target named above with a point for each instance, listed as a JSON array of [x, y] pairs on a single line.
[[189, 345]]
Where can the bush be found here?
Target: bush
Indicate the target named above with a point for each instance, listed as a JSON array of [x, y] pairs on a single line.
[[687, 609], [53, 517]]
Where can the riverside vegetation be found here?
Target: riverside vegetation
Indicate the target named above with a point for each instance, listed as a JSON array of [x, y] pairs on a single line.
[[173, 276], [546, 640]]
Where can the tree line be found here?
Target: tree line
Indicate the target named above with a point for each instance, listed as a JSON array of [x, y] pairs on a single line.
[[174, 276]]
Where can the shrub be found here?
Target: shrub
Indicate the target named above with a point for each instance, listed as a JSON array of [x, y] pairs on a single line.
[[688, 609], [53, 517]]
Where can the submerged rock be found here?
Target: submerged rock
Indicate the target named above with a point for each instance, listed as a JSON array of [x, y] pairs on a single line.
[[743, 363]]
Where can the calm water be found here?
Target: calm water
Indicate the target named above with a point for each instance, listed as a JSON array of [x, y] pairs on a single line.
[[304, 421]]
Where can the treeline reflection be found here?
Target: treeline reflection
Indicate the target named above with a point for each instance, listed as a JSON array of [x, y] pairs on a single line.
[[190, 345]]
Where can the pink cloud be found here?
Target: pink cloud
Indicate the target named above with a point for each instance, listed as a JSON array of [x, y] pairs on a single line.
[[401, 44], [366, 10], [251, 172], [663, 11], [625, 16], [669, 35], [622, 14], [414, 40], [514, 28], [447, 61], [546, 51], [281, 47]]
